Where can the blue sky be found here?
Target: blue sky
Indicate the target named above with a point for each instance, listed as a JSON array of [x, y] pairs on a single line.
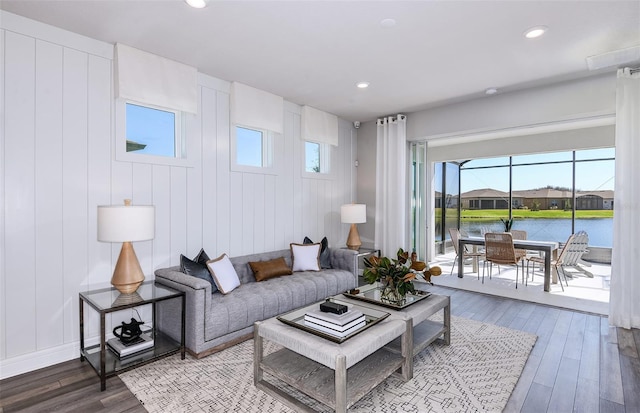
[[593, 175], [249, 147], [151, 127]]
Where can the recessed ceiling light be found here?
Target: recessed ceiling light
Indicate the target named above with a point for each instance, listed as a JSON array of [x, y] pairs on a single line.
[[534, 32], [362, 85], [197, 4], [387, 22], [491, 91]]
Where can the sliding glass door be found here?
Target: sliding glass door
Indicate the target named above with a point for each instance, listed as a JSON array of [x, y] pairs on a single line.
[[549, 195]]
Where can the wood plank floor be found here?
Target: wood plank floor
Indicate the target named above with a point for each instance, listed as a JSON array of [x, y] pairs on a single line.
[[578, 364]]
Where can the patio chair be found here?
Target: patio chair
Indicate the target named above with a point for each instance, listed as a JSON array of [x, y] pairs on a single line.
[[579, 247], [455, 236], [519, 234], [569, 257], [499, 249]]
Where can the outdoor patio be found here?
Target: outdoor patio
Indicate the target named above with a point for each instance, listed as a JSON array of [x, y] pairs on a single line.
[[583, 293]]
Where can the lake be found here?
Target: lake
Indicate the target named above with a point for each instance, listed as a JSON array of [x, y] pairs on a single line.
[[600, 230]]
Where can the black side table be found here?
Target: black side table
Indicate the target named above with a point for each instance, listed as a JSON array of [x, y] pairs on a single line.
[[108, 300]]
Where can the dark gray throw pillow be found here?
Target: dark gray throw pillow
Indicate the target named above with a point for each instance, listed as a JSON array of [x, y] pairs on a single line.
[[202, 257], [325, 254], [197, 267]]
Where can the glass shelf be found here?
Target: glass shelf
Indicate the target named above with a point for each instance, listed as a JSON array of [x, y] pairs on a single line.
[[105, 362]]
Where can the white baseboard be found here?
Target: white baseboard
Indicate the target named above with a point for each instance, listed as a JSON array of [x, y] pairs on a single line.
[[43, 358]]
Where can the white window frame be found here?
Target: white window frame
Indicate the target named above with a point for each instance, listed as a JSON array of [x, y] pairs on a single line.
[[268, 161], [182, 142], [327, 166]]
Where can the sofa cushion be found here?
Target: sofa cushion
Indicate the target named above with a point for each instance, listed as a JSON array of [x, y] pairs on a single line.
[[305, 257], [224, 274], [217, 319], [198, 268], [241, 263], [325, 253], [263, 270], [253, 302]]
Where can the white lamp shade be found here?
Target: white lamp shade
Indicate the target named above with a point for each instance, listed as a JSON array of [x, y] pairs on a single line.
[[353, 213], [121, 223]]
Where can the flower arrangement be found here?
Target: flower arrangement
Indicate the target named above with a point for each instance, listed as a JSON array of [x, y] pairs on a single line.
[[397, 275]]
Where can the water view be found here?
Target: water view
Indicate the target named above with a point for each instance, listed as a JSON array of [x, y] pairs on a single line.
[[542, 192], [600, 230]]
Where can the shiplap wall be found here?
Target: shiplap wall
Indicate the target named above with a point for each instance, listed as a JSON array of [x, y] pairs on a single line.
[[57, 164]]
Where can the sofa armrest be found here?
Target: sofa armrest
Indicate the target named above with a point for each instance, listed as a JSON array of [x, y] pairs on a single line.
[[178, 280], [345, 259], [197, 300]]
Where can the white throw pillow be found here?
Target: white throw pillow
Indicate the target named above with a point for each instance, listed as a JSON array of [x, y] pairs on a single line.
[[223, 274], [305, 257]]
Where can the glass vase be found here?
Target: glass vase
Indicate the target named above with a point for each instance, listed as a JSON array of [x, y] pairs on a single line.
[[389, 293]]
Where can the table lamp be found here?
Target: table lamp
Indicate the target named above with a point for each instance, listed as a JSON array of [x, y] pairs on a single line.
[[353, 214], [126, 223]]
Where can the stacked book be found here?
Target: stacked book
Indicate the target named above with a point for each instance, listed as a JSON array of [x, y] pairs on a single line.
[[339, 325], [142, 343]]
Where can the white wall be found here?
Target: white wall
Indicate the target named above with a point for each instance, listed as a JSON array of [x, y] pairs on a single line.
[[560, 102], [367, 179], [57, 163]]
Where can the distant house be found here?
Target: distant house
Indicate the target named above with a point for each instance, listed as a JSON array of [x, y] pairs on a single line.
[[546, 198], [486, 198], [594, 200]]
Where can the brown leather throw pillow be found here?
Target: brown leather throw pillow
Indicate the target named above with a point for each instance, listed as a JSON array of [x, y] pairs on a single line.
[[263, 270]]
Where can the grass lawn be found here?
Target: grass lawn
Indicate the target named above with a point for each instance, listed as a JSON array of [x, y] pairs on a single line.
[[496, 214]]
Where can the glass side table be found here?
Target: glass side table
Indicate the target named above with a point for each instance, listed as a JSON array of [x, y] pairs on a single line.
[[108, 300], [362, 253]]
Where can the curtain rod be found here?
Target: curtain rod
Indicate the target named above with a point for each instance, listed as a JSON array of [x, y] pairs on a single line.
[[391, 118]]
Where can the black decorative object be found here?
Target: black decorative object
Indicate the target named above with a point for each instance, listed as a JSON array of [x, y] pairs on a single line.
[[331, 307], [128, 331]]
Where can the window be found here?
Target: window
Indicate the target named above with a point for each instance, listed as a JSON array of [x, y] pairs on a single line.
[[249, 147], [552, 194], [316, 157], [312, 157], [151, 134], [447, 196], [153, 131], [252, 150]]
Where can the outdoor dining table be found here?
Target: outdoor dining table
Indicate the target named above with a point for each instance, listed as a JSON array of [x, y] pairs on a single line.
[[549, 248]]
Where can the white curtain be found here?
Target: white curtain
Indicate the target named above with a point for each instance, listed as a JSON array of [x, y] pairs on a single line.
[[391, 185], [624, 307]]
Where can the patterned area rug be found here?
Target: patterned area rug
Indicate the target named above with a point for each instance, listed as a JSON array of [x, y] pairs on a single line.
[[476, 373]]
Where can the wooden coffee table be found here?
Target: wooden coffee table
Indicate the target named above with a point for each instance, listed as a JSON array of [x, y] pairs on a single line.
[[318, 367]]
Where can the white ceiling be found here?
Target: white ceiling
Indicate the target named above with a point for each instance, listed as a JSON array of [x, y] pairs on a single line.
[[314, 52]]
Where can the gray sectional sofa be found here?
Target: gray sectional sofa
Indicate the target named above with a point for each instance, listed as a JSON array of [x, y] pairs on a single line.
[[216, 321]]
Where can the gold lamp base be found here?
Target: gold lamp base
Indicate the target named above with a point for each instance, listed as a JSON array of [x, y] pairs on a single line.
[[128, 274], [353, 240]]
